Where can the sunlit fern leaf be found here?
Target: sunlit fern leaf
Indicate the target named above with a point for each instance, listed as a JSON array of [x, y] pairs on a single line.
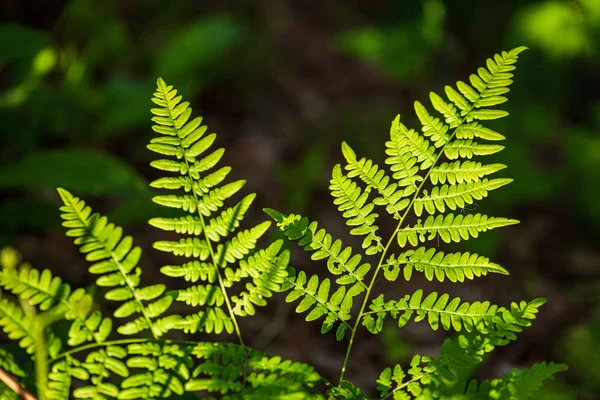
[[220, 370], [201, 295], [466, 148], [201, 192], [408, 153], [459, 353], [59, 381], [439, 310], [192, 271], [455, 196], [462, 171], [476, 130], [450, 228], [209, 320], [115, 261], [100, 365], [223, 368], [340, 260], [268, 274], [433, 128], [517, 384], [50, 294], [157, 371], [356, 209], [314, 294], [23, 327], [40, 289], [456, 267], [345, 390], [219, 227], [391, 195]]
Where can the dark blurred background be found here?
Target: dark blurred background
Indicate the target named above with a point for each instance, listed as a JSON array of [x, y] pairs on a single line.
[[283, 82]]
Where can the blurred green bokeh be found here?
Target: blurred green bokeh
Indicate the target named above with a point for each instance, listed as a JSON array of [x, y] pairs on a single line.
[[283, 82]]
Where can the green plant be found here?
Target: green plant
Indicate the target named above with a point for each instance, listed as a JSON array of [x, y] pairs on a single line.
[[127, 356]]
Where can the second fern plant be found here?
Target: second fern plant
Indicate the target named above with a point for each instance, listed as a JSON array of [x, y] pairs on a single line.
[[433, 175]]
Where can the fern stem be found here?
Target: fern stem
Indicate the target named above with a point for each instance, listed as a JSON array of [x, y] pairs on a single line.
[[41, 361], [13, 385], [361, 313]]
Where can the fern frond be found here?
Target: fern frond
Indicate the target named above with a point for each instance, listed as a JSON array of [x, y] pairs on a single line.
[[391, 196], [462, 171], [99, 366], [438, 309], [315, 294], [433, 127], [340, 261], [59, 381], [408, 153], [455, 196], [115, 260], [466, 148], [356, 209], [224, 367], [517, 384], [434, 264], [49, 293], [209, 320], [462, 352], [158, 371], [23, 327], [268, 268], [192, 271], [201, 193], [450, 228]]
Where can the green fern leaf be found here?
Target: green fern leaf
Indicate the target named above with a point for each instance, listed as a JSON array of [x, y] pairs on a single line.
[[434, 264], [204, 193], [518, 384], [462, 171], [450, 228], [115, 260], [340, 261], [455, 196], [356, 209], [439, 310]]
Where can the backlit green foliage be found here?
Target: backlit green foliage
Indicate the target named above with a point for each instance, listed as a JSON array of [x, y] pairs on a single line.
[[225, 275], [433, 177], [127, 355]]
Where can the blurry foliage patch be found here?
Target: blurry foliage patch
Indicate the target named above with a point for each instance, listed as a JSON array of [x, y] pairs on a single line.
[[18, 42], [84, 171], [562, 29], [401, 50], [199, 49]]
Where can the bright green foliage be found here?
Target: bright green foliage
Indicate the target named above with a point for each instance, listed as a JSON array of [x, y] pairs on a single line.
[[228, 369], [135, 360], [430, 173], [115, 261], [452, 266], [461, 353], [201, 193], [314, 293], [517, 384], [226, 275]]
